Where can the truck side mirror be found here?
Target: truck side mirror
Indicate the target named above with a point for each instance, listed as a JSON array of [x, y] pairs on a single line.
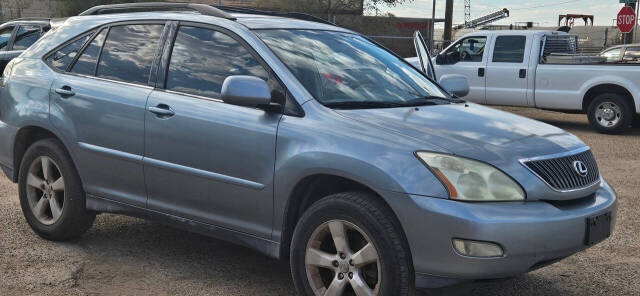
[[441, 59]]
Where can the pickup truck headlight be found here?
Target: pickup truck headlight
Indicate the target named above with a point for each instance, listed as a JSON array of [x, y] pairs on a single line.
[[470, 180]]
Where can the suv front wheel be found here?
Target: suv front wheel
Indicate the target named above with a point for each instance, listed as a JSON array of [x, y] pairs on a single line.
[[51, 194], [349, 244]]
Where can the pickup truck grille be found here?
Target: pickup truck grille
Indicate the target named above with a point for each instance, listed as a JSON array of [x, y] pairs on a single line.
[[561, 174]]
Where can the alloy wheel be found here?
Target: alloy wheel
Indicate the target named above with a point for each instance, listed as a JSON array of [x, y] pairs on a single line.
[[342, 260], [45, 190]]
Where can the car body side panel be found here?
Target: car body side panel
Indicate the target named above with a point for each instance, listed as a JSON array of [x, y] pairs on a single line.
[[314, 145], [557, 90], [24, 102]]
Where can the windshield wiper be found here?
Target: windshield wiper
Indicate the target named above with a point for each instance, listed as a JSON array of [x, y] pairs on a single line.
[[363, 105], [427, 100]]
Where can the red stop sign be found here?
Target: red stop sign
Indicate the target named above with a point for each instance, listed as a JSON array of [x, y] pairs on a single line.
[[626, 19]]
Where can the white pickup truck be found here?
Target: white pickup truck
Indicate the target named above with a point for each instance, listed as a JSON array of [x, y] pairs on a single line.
[[537, 69]]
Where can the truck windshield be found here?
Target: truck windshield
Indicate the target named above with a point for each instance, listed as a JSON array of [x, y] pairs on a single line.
[[347, 71]]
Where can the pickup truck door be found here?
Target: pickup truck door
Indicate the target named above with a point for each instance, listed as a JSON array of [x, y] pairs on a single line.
[[508, 70], [467, 57], [426, 65]]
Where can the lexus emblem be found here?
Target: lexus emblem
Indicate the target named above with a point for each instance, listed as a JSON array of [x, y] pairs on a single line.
[[580, 168]]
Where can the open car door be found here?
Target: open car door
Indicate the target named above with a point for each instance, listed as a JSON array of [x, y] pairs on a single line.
[[424, 55]]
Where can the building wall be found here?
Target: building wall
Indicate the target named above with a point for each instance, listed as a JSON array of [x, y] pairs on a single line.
[[12, 9]]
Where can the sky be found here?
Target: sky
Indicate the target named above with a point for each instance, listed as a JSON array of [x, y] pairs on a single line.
[[544, 12]]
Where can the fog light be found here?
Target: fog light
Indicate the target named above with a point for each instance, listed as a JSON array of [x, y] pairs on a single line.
[[477, 249]]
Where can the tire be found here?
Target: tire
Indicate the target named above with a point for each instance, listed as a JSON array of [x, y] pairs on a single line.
[[610, 104], [71, 219], [367, 222]]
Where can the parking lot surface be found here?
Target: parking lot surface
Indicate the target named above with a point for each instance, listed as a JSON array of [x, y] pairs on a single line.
[[127, 256]]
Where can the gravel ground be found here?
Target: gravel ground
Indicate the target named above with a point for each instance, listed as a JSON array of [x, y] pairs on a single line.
[[126, 256]]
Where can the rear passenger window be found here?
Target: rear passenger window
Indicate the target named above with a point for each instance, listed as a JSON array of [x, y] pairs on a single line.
[[509, 49], [62, 58], [5, 37], [202, 59], [86, 63], [26, 36], [128, 53]]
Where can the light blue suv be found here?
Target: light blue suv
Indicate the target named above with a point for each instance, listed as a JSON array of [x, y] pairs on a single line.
[[297, 138]]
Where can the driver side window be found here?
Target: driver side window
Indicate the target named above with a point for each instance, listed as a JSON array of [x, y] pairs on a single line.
[[467, 50]]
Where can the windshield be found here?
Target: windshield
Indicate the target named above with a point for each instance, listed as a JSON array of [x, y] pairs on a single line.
[[347, 70]]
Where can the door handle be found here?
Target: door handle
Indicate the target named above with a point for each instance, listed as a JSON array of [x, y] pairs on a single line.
[[480, 72], [65, 92], [162, 111], [523, 73]]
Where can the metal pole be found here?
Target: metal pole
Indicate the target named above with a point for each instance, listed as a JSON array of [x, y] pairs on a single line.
[[635, 27], [433, 27], [448, 23]]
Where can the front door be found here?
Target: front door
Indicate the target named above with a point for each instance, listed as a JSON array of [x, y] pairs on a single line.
[[467, 57], [100, 104], [423, 55], [508, 71], [206, 160]]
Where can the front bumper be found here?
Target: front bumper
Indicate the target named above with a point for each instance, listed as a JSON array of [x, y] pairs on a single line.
[[532, 234]]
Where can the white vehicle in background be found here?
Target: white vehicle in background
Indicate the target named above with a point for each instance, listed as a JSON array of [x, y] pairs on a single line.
[[541, 69]]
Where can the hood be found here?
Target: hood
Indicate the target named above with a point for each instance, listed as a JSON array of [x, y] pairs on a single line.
[[472, 131]]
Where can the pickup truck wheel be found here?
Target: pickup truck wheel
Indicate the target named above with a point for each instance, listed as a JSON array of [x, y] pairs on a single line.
[[348, 244], [609, 113], [51, 194]]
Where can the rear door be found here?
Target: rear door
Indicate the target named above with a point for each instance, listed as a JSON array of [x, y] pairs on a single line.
[[508, 70], [466, 57], [99, 102]]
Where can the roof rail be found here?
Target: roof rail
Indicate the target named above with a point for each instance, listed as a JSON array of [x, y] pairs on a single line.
[[30, 19], [293, 15], [154, 6]]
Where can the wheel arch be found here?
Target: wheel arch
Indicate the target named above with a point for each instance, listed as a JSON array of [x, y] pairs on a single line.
[[25, 137], [312, 188], [599, 89]]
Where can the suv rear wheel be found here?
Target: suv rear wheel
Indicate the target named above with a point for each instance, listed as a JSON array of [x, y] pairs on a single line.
[[51, 194], [348, 244], [610, 113]]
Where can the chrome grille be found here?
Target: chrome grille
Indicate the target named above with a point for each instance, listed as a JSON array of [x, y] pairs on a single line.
[[559, 173]]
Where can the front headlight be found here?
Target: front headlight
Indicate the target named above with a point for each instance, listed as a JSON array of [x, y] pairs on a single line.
[[470, 180]]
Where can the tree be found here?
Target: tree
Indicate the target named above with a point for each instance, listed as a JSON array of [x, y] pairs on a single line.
[[329, 7]]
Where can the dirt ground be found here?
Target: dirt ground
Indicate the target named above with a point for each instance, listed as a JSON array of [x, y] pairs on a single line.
[[127, 256]]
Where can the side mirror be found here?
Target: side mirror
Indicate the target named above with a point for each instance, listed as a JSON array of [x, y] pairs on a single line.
[[249, 91], [455, 84], [441, 59]]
